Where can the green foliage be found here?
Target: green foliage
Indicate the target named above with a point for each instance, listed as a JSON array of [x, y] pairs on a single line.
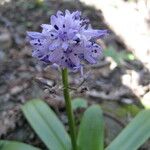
[[131, 109], [121, 110], [91, 131], [79, 103], [47, 126], [118, 57], [13, 145], [134, 135]]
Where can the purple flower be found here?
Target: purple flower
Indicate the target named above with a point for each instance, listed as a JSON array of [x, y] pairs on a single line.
[[67, 42]]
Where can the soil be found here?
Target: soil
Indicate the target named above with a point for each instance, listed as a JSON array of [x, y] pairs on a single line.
[[23, 78]]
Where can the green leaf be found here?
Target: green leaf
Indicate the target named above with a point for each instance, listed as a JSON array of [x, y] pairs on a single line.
[[91, 131], [79, 103], [111, 52], [47, 126], [130, 56], [134, 135], [13, 145], [118, 57]]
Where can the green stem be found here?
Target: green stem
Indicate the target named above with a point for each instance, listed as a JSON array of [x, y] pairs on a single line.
[[69, 108]]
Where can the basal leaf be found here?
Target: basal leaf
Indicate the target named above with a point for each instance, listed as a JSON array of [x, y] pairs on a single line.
[[13, 145], [47, 126], [134, 135], [79, 103], [91, 130]]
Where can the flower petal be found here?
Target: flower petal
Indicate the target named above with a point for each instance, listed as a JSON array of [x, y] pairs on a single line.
[[67, 41], [55, 56], [34, 35], [46, 28]]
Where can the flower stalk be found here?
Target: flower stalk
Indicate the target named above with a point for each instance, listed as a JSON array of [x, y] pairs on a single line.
[[69, 111]]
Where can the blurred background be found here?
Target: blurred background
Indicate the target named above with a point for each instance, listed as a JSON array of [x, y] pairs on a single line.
[[120, 82]]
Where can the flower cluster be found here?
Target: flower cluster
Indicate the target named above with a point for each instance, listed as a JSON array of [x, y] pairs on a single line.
[[68, 41]]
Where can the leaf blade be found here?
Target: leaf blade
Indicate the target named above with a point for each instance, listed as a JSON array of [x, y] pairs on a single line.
[[47, 126], [91, 132], [135, 134], [79, 103], [13, 145]]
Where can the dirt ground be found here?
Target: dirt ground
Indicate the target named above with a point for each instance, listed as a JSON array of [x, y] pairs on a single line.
[[119, 87]]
